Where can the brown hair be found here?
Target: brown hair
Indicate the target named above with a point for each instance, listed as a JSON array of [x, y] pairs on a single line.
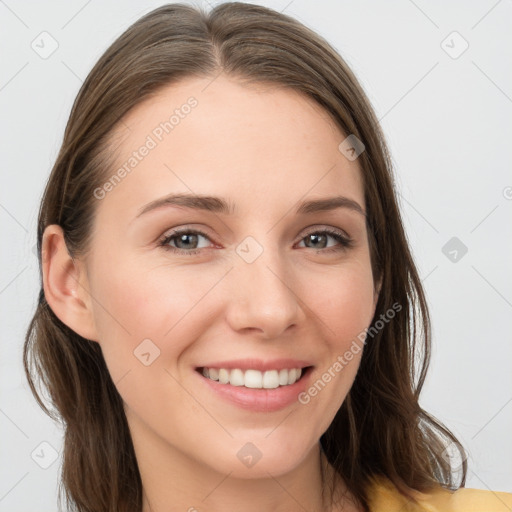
[[380, 430]]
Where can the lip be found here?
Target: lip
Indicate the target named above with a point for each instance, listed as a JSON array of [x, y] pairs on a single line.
[[258, 400], [258, 364]]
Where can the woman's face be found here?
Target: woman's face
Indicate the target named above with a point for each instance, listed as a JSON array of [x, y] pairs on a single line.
[[262, 283]]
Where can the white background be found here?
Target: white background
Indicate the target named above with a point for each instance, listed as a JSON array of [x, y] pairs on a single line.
[[448, 124]]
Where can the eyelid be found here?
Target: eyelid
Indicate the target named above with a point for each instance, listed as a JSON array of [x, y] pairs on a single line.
[[162, 240], [308, 230], [345, 241], [324, 227], [185, 228]]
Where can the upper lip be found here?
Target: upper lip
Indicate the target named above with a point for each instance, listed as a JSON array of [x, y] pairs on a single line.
[[258, 364]]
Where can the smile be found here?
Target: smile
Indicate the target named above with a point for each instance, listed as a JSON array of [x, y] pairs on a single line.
[[254, 379]]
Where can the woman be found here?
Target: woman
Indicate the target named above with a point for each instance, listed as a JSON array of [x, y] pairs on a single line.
[[230, 314]]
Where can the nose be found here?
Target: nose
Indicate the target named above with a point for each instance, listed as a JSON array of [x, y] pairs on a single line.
[[262, 297]]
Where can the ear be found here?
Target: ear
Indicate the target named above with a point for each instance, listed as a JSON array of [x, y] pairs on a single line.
[[65, 284], [376, 294]]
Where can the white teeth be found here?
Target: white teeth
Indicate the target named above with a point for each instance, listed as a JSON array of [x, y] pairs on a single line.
[[255, 379], [223, 376], [270, 379], [236, 378]]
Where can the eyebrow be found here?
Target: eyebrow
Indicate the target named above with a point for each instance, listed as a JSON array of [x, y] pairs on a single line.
[[219, 205]]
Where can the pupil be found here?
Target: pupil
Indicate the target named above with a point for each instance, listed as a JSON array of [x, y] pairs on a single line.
[[183, 238], [316, 237]]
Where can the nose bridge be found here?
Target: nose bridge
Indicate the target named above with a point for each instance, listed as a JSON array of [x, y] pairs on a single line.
[[263, 298]]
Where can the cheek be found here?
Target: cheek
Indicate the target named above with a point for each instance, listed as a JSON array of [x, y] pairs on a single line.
[[343, 300], [145, 323], [161, 304]]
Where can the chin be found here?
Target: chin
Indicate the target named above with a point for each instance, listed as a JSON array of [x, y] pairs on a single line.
[[261, 458]]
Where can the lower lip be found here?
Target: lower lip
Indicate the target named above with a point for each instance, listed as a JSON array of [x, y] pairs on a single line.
[[259, 400]]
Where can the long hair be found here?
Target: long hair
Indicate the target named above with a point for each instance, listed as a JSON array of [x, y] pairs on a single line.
[[380, 430]]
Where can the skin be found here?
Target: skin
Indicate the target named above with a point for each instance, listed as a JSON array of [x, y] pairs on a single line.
[[263, 149]]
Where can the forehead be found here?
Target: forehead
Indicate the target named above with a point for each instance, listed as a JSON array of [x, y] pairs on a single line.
[[259, 145]]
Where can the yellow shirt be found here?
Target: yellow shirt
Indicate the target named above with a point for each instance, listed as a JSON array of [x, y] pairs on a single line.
[[384, 497]]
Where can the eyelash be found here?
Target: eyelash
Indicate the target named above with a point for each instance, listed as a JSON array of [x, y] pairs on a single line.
[[345, 242]]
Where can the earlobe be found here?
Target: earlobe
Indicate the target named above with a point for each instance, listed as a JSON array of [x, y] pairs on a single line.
[[65, 288], [376, 294], [377, 290]]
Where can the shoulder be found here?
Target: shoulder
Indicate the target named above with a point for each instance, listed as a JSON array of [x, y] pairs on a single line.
[[384, 497]]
